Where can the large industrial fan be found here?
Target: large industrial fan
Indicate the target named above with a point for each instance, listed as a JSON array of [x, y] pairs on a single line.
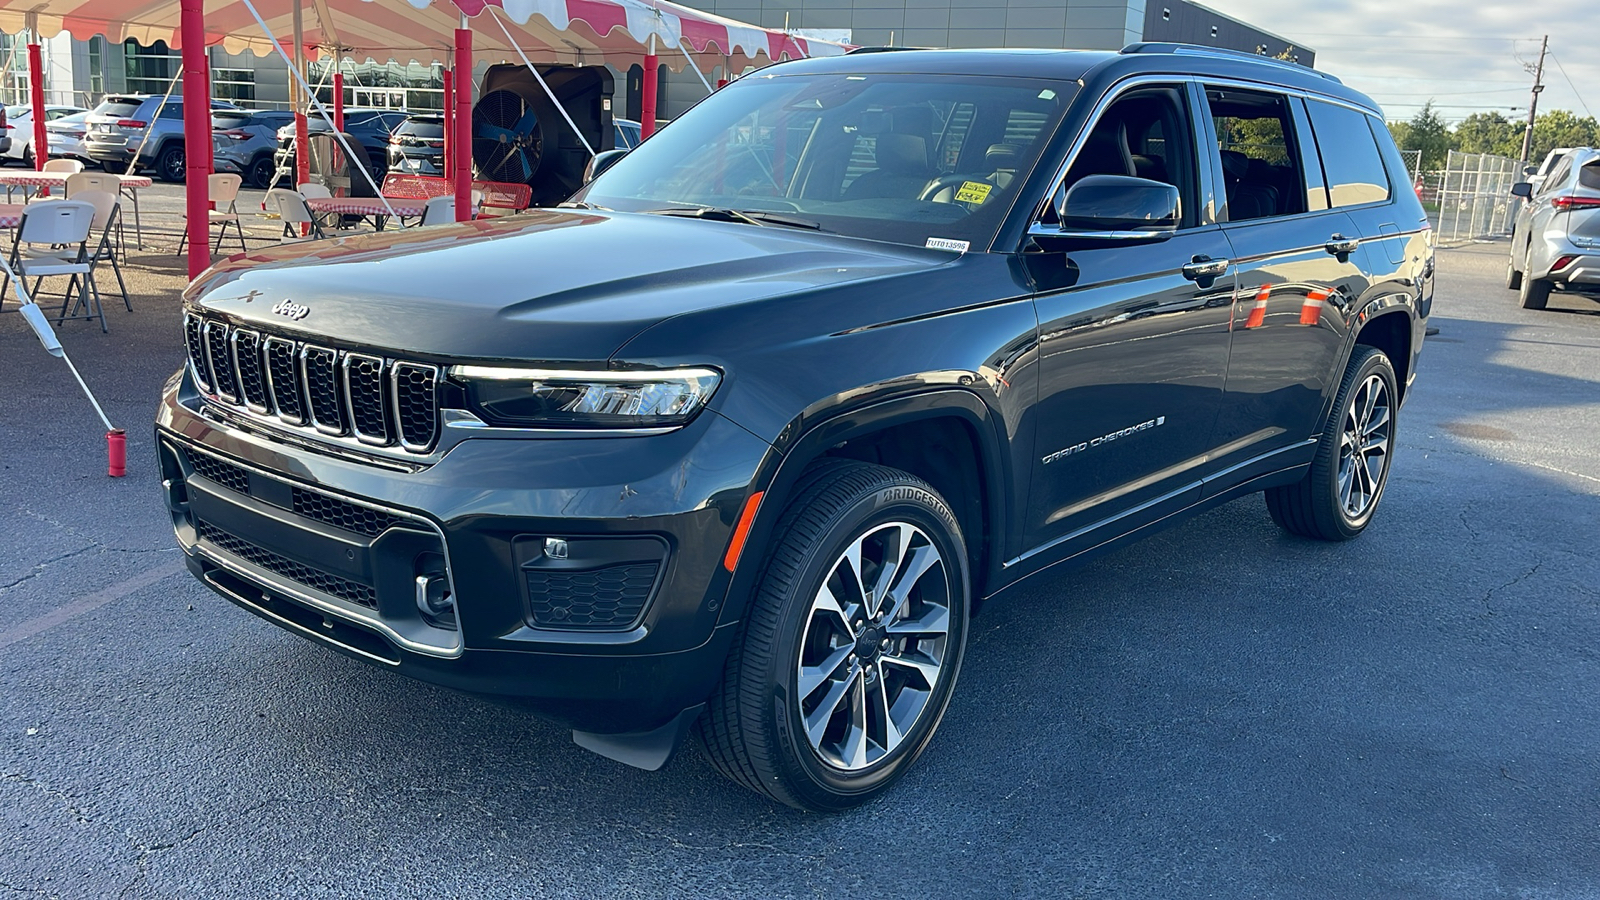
[[507, 139], [519, 137]]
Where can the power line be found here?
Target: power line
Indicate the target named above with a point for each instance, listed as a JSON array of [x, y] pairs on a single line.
[[1563, 71]]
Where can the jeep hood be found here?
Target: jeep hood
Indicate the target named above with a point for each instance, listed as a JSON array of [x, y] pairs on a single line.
[[543, 286]]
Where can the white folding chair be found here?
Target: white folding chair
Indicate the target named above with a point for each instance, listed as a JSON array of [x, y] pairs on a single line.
[[108, 222], [92, 181], [311, 189], [69, 166], [439, 211], [53, 240], [223, 188], [292, 210]]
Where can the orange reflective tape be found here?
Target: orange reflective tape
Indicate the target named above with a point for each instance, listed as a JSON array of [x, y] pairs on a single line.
[[742, 530]]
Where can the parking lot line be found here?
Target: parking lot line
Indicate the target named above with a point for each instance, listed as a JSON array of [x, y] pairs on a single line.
[[92, 602]]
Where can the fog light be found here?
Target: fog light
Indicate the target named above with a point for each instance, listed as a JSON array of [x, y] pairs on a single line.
[[433, 596]]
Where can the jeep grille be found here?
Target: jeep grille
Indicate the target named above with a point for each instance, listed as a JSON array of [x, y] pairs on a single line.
[[379, 401]]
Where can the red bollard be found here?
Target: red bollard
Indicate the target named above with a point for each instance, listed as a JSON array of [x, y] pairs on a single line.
[[117, 450]]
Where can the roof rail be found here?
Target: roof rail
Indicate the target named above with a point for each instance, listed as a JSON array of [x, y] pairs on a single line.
[[1221, 53], [879, 49]]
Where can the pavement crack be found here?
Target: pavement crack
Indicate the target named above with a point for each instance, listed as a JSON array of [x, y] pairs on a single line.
[[40, 567], [30, 891], [78, 815], [1526, 574]]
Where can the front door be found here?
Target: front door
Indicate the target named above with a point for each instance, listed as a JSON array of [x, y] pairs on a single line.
[[1134, 349]]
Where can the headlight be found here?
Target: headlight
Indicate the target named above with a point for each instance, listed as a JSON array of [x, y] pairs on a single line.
[[548, 398]]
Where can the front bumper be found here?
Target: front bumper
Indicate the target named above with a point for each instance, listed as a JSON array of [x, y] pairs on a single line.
[[485, 507]]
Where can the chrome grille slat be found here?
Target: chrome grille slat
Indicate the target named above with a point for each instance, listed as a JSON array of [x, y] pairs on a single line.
[[346, 394], [247, 367], [319, 372], [283, 381], [219, 357], [363, 394], [195, 341], [414, 390]]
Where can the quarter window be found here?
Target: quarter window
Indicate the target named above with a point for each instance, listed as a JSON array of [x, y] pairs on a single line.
[[1261, 170], [1350, 157]]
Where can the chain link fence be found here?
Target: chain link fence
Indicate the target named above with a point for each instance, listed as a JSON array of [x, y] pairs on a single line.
[[1474, 196]]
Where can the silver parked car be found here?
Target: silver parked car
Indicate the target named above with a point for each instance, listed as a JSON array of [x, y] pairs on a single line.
[[1555, 240]]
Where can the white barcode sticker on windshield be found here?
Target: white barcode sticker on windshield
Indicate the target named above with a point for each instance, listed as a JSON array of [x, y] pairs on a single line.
[[947, 244]]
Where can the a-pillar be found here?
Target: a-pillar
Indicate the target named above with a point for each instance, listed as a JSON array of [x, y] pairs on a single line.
[[41, 138], [196, 131], [447, 169], [463, 123]]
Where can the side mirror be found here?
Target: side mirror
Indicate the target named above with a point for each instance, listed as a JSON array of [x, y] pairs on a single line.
[[1522, 189], [602, 161], [1115, 208]]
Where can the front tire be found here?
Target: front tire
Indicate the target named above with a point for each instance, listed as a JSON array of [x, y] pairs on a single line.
[[1338, 495], [852, 644]]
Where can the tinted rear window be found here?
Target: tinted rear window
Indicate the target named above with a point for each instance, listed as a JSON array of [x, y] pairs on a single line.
[[117, 106], [422, 128], [1589, 175], [230, 120], [1349, 155]]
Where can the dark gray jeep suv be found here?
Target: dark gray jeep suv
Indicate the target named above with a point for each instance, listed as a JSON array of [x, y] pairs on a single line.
[[851, 348]]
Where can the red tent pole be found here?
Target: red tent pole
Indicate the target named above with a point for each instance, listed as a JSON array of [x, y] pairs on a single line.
[[196, 132], [208, 147], [449, 110], [41, 138], [338, 100], [463, 123], [647, 100]]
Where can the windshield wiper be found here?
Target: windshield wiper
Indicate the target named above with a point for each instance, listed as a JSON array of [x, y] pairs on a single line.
[[725, 214]]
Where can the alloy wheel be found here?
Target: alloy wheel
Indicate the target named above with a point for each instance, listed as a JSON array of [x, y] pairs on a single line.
[[873, 647], [1364, 447]]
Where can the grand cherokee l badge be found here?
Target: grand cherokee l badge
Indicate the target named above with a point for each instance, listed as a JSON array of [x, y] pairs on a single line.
[[1157, 422]]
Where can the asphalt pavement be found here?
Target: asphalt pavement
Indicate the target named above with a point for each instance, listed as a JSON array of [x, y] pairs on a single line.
[[1219, 711]]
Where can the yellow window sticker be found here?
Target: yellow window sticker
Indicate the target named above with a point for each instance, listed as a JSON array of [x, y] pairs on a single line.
[[973, 192]]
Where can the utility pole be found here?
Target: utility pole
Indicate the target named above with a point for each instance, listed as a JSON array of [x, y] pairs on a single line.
[[1533, 105]]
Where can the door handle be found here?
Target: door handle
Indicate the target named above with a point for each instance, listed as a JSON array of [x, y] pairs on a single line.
[[1341, 246], [1205, 269]]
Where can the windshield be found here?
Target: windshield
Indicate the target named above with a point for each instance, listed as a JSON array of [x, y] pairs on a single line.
[[903, 158]]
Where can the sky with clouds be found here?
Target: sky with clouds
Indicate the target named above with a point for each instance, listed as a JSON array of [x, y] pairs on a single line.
[[1465, 56]]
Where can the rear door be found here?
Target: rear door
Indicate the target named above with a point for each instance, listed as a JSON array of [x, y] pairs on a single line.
[[1299, 264]]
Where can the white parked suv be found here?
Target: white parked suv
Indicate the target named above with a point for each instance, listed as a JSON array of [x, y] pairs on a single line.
[[1555, 240]]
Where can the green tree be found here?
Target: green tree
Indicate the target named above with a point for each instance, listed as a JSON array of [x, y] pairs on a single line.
[[1489, 132], [1558, 128], [1401, 132], [1428, 132]]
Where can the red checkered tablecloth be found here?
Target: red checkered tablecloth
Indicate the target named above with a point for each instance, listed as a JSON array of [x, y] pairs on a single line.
[[11, 214], [59, 179], [364, 206]]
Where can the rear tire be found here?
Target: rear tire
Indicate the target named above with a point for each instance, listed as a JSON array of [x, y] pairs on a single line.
[[1513, 275], [1339, 493], [260, 173], [1535, 292], [832, 690], [170, 164]]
